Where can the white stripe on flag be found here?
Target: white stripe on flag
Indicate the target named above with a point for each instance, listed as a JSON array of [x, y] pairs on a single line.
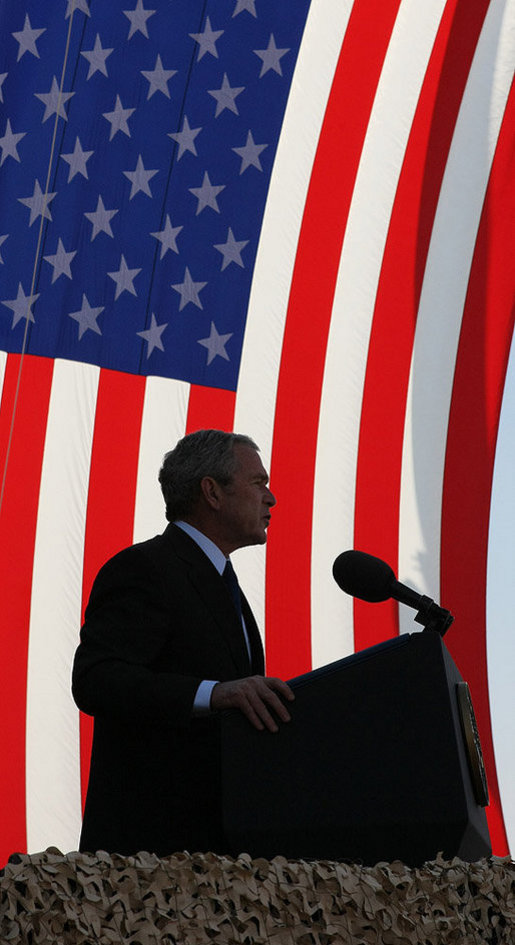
[[261, 357], [360, 266], [52, 732], [163, 423], [499, 604], [442, 300], [3, 362]]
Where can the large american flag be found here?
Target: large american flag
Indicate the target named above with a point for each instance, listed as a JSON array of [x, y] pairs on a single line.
[[293, 219]]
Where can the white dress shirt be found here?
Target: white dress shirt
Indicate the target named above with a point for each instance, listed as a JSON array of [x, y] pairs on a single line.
[[202, 701]]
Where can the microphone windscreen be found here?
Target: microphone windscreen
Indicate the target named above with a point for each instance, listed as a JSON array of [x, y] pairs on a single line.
[[364, 576]]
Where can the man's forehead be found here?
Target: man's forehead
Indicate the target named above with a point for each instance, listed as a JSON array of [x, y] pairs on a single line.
[[249, 460]]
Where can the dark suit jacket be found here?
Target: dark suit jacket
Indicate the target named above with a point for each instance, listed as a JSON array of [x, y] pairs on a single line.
[[159, 620]]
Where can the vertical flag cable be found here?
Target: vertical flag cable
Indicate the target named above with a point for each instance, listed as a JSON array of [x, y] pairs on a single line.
[[36, 260]]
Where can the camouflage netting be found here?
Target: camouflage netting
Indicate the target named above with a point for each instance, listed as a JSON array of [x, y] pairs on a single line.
[[195, 900]]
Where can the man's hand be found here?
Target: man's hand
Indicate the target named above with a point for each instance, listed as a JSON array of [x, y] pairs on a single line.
[[258, 697]]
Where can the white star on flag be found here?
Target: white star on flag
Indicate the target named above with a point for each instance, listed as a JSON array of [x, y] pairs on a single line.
[[27, 38], [138, 18], [38, 203], [231, 250], [54, 101], [9, 143], [271, 57], [185, 138], [248, 5], [124, 278], [97, 58], [118, 118], [79, 6], [87, 317], [215, 344], [168, 237], [139, 179], [77, 160], [61, 261], [21, 306], [158, 78], [101, 219], [225, 96], [207, 40], [189, 290], [152, 335], [249, 153], [207, 194]]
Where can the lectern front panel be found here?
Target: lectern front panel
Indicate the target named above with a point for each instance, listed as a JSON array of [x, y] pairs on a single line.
[[373, 765]]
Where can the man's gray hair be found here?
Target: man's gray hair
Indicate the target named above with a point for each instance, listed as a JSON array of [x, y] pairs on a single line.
[[199, 454]]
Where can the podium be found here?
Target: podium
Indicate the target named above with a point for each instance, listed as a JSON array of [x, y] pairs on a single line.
[[380, 761]]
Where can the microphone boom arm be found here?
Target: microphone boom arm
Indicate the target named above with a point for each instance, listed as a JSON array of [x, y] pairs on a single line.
[[433, 617], [430, 615]]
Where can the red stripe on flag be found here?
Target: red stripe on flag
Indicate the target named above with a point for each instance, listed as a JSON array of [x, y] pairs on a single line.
[[210, 408], [112, 491], [389, 358], [486, 334], [308, 319], [21, 458]]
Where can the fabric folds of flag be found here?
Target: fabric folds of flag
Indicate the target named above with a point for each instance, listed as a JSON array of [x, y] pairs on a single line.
[[294, 220]]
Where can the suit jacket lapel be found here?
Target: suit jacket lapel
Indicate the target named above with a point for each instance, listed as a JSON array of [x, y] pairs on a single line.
[[211, 588]]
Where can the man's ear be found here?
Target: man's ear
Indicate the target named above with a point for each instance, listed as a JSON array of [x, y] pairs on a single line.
[[211, 491]]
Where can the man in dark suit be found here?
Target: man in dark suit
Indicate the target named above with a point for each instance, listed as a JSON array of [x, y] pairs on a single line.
[[169, 641]]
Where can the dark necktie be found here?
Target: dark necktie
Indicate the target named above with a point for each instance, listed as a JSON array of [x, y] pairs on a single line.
[[233, 587]]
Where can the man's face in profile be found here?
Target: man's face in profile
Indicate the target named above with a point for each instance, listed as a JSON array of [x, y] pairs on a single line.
[[247, 501]]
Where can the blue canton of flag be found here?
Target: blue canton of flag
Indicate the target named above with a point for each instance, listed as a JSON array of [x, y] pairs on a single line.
[[137, 142]]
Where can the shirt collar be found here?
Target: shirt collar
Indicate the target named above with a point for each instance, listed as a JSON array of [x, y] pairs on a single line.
[[215, 555]]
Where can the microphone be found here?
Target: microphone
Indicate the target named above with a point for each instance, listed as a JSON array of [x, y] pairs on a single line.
[[369, 578]]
